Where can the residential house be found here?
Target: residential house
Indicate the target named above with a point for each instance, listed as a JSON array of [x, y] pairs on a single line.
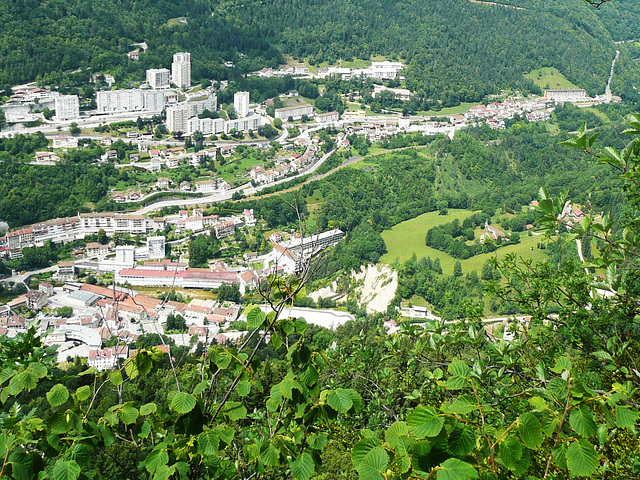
[[66, 270], [248, 281], [64, 142], [276, 237], [107, 358], [46, 288], [97, 250], [200, 332], [207, 186], [224, 229], [42, 157], [197, 158], [111, 155], [36, 299], [163, 183], [249, 218], [492, 233], [229, 313], [227, 150]]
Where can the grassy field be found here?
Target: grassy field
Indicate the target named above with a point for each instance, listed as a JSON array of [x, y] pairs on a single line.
[[549, 77], [172, 22], [353, 107], [462, 108], [237, 168], [407, 238], [314, 204]]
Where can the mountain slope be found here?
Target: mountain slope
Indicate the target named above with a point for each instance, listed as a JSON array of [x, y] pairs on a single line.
[[458, 50]]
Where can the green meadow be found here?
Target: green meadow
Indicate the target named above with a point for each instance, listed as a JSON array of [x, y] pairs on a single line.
[[408, 238], [549, 77]]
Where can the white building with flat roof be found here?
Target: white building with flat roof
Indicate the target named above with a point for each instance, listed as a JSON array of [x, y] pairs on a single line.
[[244, 124], [295, 112], [158, 78], [196, 107], [131, 100], [566, 95], [241, 103], [177, 119], [385, 70], [181, 69], [67, 107], [125, 254], [207, 126], [156, 246]]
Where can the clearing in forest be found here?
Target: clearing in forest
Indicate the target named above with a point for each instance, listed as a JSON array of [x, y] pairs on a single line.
[[549, 77], [408, 238]]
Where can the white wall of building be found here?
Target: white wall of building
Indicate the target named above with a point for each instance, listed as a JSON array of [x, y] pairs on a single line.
[[131, 100], [158, 77], [67, 107], [241, 103], [181, 69]]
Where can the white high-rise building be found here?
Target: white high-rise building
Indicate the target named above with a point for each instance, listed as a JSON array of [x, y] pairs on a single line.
[[156, 246], [158, 77], [177, 118], [181, 69], [67, 107], [125, 254], [241, 103]]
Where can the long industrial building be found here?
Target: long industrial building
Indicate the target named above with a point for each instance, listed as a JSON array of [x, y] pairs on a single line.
[[190, 278]]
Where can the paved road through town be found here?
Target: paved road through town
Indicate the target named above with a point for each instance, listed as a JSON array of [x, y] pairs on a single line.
[[221, 197]]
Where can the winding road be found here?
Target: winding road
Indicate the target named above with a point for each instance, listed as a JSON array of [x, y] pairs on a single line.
[[221, 197], [607, 90]]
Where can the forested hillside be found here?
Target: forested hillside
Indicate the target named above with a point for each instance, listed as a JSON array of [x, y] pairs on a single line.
[[621, 18], [40, 38], [456, 50]]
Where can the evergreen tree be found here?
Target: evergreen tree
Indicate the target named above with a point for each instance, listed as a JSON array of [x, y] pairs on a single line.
[[457, 269]]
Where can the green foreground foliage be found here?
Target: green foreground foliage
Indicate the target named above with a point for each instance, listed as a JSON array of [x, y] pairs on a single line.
[[444, 400]]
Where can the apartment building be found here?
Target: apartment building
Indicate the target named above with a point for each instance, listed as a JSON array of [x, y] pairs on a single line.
[[177, 119], [295, 113], [196, 107], [131, 100], [181, 69], [246, 124], [158, 78], [207, 126], [241, 103], [67, 107], [566, 95]]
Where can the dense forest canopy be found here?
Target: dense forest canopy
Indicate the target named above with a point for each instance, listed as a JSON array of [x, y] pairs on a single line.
[[455, 51]]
